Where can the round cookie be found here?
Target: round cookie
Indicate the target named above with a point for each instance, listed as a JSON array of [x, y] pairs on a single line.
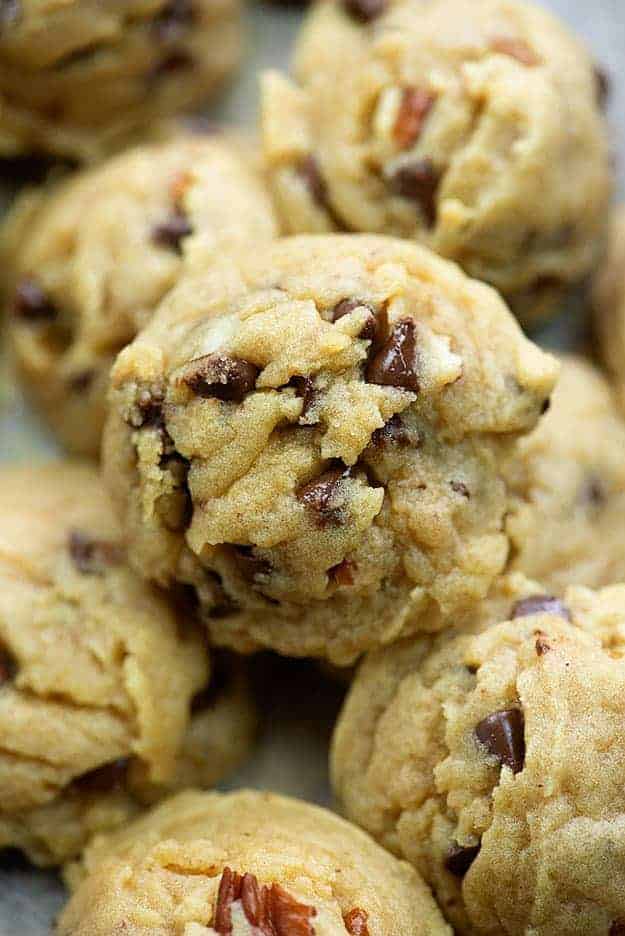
[[88, 262], [567, 485], [492, 760], [103, 698], [78, 77], [246, 863], [608, 300], [461, 124], [312, 438]]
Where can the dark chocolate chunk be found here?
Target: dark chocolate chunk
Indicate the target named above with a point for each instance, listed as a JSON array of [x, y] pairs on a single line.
[[311, 174], [459, 487], [343, 573], [91, 556], [345, 306], [171, 232], [394, 365], [221, 377], [305, 388], [540, 604], [503, 736], [394, 432], [416, 104], [460, 858], [174, 19], [105, 779], [324, 498], [31, 303], [356, 922], [418, 181], [546, 406], [364, 10]]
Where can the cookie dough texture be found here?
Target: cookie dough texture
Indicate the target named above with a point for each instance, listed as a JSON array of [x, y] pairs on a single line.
[[608, 299], [312, 438], [567, 486], [461, 124], [304, 871], [492, 760], [88, 261], [97, 674], [79, 76]]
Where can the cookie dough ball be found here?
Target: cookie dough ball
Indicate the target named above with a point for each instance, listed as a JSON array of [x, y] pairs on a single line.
[[312, 438], [473, 127], [567, 482], [493, 762], [98, 674], [88, 262], [245, 863], [608, 299], [78, 77]]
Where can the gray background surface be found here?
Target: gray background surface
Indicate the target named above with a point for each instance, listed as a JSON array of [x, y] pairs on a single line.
[[298, 705]]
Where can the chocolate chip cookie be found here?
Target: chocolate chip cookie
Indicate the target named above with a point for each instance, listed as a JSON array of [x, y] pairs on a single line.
[[88, 262], [78, 77], [105, 698], [567, 484], [608, 300], [311, 437], [245, 863], [474, 128], [492, 759]]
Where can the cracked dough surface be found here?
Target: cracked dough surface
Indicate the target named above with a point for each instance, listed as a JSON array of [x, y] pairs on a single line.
[[567, 485], [531, 844], [161, 876], [88, 261], [79, 76], [461, 124], [608, 299], [97, 673], [312, 438]]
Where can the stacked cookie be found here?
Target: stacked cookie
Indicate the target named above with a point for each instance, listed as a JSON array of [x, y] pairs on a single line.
[[315, 428]]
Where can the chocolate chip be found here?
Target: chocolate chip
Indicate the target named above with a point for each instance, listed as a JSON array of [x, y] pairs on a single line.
[[515, 48], [305, 388], [221, 377], [546, 406], [81, 382], [309, 171], [268, 909], [460, 858], [602, 80], [364, 10], [10, 12], [343, 573], [542, 647], [345, 306], [356, 922], [174, 19], [171, 232], [324, 498], [460, 488], [540, 604], [418, 181], [8, 666], [105, 779], [91, 556], [593, 492], [394, 432], [176, 61], [503, 736], [251, 565], [31, 303], [394, 364], [416, 104]]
